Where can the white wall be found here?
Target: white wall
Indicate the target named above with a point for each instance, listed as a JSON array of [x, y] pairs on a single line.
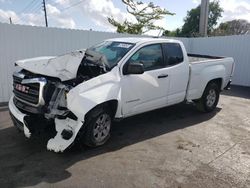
[[20, 42]]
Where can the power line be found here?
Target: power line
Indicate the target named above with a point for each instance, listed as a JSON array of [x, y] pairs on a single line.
[[30, 5], [72, 5], [37, 9], [38, 6], [33, 10], [33, 5]]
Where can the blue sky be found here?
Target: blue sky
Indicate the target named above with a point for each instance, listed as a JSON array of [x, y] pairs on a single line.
[[92, 14]]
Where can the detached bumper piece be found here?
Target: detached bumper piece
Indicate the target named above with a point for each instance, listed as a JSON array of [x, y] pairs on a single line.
[[67, 134], [62, 136]]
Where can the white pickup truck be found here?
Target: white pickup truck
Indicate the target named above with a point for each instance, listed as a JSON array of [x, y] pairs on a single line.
[[79, 94]]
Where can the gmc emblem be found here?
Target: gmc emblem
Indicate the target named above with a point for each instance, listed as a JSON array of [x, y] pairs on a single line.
[[22, 88]]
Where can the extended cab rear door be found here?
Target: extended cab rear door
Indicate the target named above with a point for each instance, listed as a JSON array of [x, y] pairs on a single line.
[[178, 71], [147, 91]]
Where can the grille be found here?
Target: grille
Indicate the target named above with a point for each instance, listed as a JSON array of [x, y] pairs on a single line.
[[26, 92]]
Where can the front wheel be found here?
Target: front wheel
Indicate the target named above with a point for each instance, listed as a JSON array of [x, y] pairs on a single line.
[[209, 99], [97, 127]]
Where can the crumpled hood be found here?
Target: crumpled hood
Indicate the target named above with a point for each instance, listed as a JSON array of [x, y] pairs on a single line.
[[63, 67]]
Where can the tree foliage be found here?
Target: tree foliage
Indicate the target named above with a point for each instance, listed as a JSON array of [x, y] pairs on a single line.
[[192, 20], [144, 16], [234, 27], [175, 33]]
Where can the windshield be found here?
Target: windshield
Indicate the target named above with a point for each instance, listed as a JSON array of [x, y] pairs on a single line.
[[113, 51]]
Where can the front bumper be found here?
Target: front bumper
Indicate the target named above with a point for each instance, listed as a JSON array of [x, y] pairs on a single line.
[[18, 124], [66, 129], [18, 118]]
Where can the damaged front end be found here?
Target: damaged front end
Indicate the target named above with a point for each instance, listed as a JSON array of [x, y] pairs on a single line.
[[40, 102], [58, 92], [40, 99]]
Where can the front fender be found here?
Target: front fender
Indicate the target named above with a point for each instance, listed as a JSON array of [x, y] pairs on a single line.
[[87, 95], [80, 100]]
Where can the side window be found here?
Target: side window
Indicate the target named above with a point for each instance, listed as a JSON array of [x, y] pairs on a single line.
[[173, 53], [150, 56]]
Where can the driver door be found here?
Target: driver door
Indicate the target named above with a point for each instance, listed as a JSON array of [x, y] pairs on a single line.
[[147, 91]]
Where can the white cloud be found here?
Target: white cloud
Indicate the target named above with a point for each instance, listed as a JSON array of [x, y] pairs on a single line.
[[98, 12], [60, 19], [30, 19], [235, 9], [5, 15], [52, 10], [94, 10], [67, 23], [196, 1], [62, 2], [55, 17]]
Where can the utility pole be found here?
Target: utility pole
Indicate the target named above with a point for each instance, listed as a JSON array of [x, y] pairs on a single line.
[[10, 20], [204, 17], [45, 13]]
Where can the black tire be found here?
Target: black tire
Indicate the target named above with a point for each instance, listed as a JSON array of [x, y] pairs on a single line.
[[209, 99], [90, 137]]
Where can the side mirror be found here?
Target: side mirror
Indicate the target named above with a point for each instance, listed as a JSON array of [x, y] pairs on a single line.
[[133, 68]]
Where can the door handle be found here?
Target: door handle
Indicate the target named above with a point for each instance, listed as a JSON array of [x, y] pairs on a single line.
[[163, 76]]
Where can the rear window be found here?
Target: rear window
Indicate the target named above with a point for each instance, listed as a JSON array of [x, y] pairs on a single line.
[[173, 53]]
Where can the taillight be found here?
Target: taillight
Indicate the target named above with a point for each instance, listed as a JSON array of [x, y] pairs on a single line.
[[232, 70]]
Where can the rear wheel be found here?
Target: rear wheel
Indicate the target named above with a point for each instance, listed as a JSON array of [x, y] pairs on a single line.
[[209, 99], [97, 127]]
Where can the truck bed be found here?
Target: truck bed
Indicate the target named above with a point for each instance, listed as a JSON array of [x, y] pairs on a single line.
[[197, 58], [204, 68]]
